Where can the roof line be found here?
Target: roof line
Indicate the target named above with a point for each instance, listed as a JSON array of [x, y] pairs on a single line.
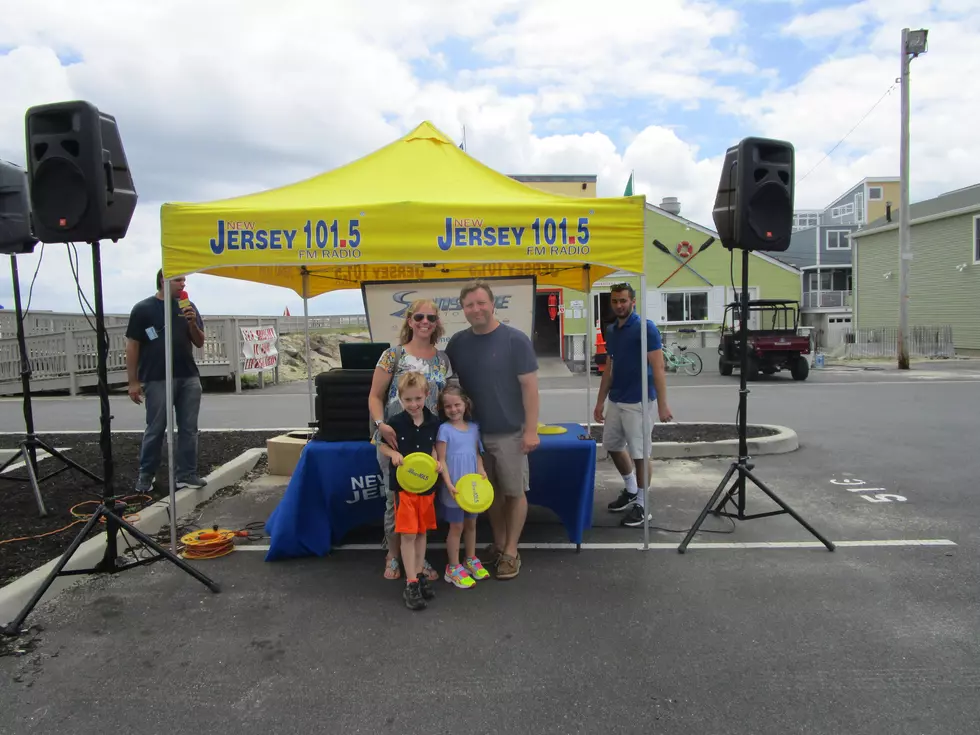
[[917, 221], [573, 178], [701, 228]]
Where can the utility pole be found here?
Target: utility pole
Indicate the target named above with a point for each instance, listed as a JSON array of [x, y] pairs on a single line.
[[913, 44]]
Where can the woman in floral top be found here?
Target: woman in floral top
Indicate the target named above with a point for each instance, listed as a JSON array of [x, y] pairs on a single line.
[[416, 352]]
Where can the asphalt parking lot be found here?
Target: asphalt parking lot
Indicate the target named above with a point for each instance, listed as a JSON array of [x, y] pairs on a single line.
[[743, 639]]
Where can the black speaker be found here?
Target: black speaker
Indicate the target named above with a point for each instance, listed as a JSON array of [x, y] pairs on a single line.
[[81, 187], [15, 211], [341, 407], [361, 355], [754, 205]]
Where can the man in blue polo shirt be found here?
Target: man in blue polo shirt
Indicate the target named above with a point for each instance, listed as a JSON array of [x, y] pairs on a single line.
[[623, 434]]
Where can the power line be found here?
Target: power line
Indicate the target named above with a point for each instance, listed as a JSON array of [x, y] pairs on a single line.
[[856, 125]]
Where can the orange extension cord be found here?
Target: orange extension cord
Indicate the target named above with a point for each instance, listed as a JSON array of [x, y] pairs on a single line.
[[79, 518], [209, 544]]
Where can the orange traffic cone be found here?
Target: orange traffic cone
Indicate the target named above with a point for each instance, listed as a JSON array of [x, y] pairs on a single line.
[[600, 351]]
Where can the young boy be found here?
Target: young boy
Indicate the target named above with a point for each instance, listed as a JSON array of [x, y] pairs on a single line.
[[416, 428]]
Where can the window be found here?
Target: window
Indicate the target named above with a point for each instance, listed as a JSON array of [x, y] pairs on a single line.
[[859, 207], [874, 193], [802, 221], [825, 282], [687, 306], [976, 239], [838, 240], [842, 211]]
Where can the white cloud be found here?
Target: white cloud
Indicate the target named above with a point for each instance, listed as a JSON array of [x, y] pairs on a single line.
[[829, 22], [822, 108], [224, 98]]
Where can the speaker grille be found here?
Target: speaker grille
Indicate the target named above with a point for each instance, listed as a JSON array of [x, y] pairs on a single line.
[[59, 194]]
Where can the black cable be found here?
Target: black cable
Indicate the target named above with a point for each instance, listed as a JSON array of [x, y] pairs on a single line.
[[75, 269], [30, 291], [23, 316], [700, 530]]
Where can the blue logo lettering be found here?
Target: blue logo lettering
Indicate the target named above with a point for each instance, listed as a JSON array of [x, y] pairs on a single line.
[[245, 236], [443, 303]]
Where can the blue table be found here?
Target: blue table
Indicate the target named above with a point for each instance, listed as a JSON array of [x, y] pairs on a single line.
[[337, 487]]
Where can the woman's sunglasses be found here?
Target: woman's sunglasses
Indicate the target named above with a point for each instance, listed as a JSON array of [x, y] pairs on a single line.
[[433, 318]]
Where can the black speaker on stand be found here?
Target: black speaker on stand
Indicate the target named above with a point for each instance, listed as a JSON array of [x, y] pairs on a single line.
[[16, 238], [80, 183], [753, 211], [81, 189]]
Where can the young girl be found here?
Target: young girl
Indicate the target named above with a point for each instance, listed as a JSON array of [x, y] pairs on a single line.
[[460, 453]]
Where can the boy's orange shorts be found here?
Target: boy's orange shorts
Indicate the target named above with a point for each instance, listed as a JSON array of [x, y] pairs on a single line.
[[414, 514]]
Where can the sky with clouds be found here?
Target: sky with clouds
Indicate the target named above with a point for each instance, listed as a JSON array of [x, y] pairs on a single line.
[[217, 98]]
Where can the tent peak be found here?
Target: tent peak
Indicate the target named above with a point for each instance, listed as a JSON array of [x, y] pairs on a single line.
[[427, 131]]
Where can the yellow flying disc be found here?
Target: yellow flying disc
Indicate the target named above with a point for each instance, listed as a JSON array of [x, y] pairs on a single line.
[[474, 494], [417, 473], [543, 429]]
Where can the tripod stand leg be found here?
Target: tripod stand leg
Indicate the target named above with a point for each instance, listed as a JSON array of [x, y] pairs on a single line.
[[13, 628], [776, 499], [164, 553], [70, 462], [29, 463], [707, 508]]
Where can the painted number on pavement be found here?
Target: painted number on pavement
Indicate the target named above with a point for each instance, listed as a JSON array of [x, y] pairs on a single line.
[[871, 494]]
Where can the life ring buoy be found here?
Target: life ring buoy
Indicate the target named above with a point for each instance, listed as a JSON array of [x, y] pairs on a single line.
[[684, 249]]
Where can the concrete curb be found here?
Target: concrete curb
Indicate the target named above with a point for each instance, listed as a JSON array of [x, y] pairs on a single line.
[[16, 594], [785, 440]]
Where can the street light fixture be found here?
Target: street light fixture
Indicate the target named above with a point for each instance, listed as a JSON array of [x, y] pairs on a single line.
[[914, 43], [917, 42]]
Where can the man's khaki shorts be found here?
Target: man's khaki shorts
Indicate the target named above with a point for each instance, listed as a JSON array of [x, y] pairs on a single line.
[[623, 428], [506, 464]]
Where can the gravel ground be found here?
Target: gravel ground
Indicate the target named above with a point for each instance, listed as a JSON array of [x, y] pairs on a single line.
[[687, 433], [18, 511]]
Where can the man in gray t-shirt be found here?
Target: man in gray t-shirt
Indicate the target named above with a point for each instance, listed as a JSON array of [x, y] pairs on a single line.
[[497, 369]]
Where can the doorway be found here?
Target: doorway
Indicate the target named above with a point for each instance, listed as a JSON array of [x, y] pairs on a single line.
[[547, 331], [602, 312]]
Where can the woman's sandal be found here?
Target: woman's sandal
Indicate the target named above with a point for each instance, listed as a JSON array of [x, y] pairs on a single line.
[[393, 569], [431, 574]]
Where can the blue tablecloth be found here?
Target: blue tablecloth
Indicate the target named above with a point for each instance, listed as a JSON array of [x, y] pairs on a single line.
[[337, 487]]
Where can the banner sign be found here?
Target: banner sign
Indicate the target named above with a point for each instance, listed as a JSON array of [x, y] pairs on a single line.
[[259, 350], [386, 302]]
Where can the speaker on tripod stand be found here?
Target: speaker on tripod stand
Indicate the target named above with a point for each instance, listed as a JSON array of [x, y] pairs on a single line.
[[81, 189], [753, 211], [17, 238]]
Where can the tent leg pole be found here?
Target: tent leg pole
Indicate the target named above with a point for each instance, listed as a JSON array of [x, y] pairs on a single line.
[[168, 328], [588, 360], [645, 405], [306, 329]]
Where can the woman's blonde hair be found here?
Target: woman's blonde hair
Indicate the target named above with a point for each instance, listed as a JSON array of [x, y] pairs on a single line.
[[406, 334]]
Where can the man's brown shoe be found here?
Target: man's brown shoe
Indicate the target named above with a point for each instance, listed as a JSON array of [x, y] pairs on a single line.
[[508, 567]]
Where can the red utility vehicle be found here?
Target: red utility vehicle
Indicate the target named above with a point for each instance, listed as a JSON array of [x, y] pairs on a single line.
[[774, 341]]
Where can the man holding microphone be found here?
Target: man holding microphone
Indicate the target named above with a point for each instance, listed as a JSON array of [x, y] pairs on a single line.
[[145, 365], [623, 435]]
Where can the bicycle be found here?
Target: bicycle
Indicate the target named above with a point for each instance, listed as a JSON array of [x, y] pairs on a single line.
[[691, 363]]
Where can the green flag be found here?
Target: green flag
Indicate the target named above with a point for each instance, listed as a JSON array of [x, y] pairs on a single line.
[[629, 187]]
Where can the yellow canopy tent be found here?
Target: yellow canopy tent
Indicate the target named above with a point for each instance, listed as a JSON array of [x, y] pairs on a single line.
[[420, 204], [419, 208]]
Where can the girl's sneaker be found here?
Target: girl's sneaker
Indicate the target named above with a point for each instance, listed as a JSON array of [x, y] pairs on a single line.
[[458, 576], [475, 568]]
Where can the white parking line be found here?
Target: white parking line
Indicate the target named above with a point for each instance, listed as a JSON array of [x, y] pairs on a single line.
[[672, 546], [775, 386]]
